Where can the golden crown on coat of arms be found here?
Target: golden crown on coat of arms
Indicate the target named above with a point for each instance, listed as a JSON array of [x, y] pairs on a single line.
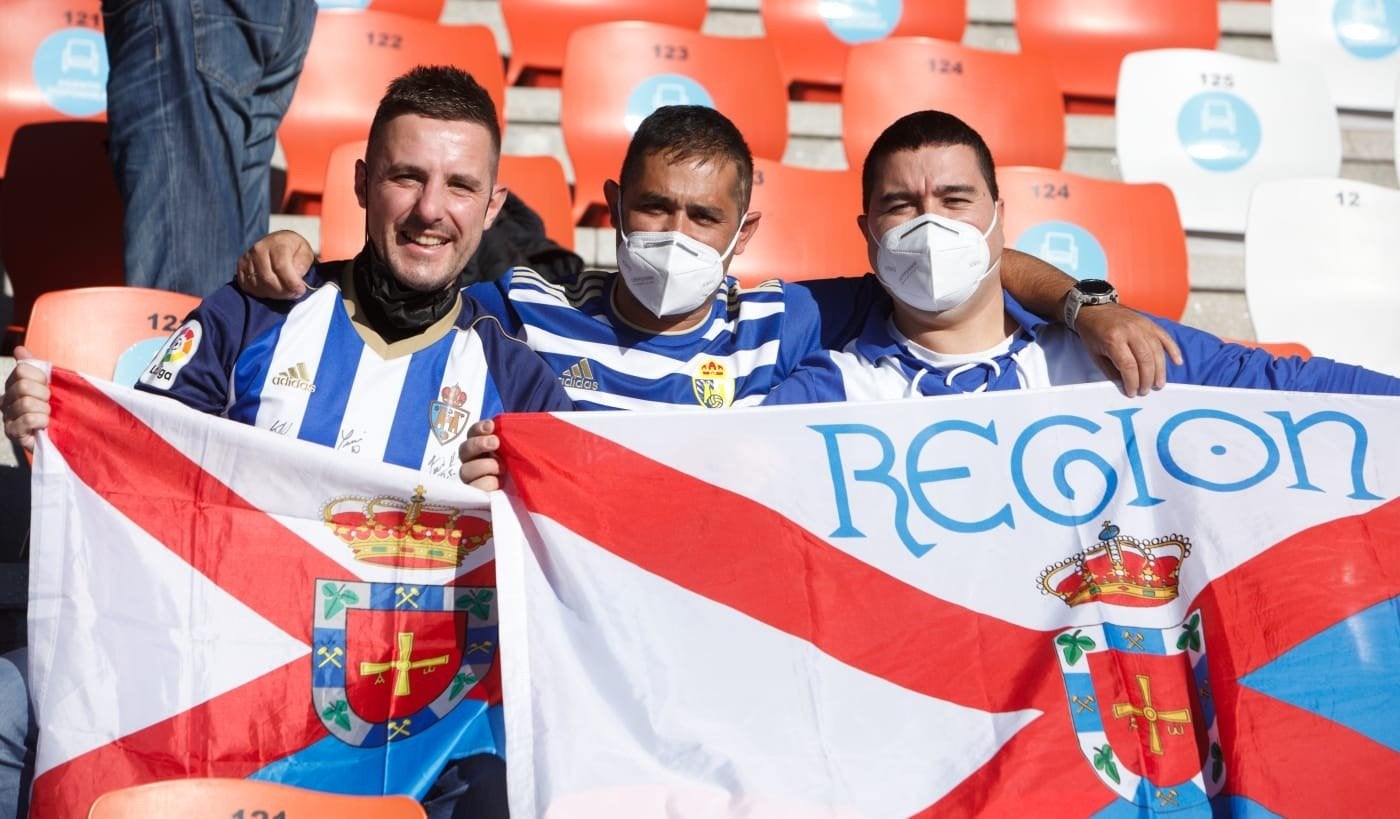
[[409, 533], [1119, 569]]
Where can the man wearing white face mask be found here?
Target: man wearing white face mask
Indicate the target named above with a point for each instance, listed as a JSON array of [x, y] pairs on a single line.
[[670, 329], [933, 231]]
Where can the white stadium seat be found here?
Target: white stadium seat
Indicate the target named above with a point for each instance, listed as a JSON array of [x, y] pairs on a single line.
[[1211, 126], [1322, 267], [1356, 43]]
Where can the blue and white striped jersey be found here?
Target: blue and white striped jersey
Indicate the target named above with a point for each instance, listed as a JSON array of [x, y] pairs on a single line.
[[752, 340], [883, 364], [307, 369]]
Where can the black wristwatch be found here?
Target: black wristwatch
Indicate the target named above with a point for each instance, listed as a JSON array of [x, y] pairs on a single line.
[[1087, 292]]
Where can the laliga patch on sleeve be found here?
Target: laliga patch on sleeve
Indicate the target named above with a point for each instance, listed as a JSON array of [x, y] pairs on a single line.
[[176, 353]]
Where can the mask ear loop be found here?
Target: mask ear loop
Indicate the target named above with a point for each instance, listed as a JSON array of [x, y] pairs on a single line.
[[621, 231], [734, 242]]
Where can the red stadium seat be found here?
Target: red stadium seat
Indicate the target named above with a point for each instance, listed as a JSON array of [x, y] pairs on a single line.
[[90, 329], [53, 65], [60, 215], [352, 59], [1011, 99], [1100, 229], [813, 37], [1085, 40], [422, 9], [615, 74], [1278, 349], [537, 180], [342, 218], [232, 797], [808, 229], [540, 29]]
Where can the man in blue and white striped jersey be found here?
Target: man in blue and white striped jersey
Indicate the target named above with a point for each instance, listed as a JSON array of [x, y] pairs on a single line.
[[933, 231], [670, 328], [382, 356]]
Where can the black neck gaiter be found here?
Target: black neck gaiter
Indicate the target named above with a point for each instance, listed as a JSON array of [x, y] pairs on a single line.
[[393, 311]]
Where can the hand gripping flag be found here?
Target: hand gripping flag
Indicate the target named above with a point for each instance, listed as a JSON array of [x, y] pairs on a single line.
[[209, 599], [1062, 603]]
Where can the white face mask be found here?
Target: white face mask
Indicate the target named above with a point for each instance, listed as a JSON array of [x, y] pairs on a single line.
[[933, 263], [668, 272]]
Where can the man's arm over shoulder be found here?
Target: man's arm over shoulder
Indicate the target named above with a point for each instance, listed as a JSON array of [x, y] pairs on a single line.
[[523, 380], [842, 305], [817, 380], [493, 297], [1211, 362], [196, 364]]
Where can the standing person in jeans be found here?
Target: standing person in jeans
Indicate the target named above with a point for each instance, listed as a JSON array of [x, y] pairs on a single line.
[[196, 91]]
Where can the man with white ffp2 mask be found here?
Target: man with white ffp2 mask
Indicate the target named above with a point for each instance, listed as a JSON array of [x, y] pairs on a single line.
[[629, 341], [933, 232], [933, 263], [670, 273]]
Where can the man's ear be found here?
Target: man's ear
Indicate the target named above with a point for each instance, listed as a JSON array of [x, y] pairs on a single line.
[[871, 247], [361, 180], [747, 230], [494, 205], [612, 194]]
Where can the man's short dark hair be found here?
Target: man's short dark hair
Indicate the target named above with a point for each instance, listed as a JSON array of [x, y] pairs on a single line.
[[914, 131], [438, 92], [681, 132]]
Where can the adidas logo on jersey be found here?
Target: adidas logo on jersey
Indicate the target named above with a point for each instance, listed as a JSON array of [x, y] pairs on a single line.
[[297, 377], [579, 376]]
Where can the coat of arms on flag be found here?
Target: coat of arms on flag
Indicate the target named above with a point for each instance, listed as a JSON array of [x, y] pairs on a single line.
[[1216, 630], [1139, 697], [346, 645]]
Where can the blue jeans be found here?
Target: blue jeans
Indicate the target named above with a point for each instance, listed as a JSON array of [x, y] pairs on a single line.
[[196, 91], [18, 734]]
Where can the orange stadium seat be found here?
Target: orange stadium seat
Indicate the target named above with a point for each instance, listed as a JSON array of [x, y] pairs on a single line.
[[247, 797], [808, 229], [615, 74], [813, 37], [352, 59], [539, 182], [1011, 99], [109, 332], [539, 29], [53, 65], [422, 9], [1100, 229], [342, 218], [60, 215], [536, 180], [1085, 40]]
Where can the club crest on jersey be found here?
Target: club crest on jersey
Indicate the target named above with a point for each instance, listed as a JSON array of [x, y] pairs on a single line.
[[447, 416], [391, 659], [177, 352], [713, 385], [1139, 698]]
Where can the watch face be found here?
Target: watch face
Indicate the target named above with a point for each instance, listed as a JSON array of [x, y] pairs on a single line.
[[1095, 287]]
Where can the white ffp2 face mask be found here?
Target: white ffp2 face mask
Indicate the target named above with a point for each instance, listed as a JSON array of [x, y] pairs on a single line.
[[933, 263], [669, 272]]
